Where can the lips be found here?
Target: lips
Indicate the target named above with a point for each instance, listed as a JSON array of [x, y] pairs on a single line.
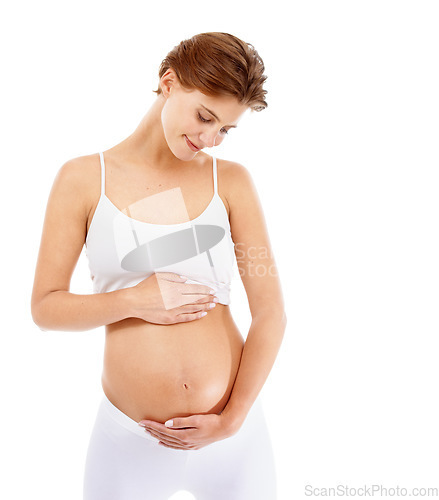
[[191, 145]]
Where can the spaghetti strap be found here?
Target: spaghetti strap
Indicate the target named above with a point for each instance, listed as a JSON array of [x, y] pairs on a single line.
[[102, 173], [215, 176], [122, 248]]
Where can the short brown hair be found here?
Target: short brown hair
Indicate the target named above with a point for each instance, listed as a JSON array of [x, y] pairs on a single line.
[[219, 64]]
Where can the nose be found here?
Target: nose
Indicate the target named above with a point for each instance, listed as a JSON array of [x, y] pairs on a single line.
[[210, 139]]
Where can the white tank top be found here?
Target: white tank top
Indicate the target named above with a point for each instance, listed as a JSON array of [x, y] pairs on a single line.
[[122, 251]]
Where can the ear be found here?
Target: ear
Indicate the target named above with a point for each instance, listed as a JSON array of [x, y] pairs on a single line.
[[168, 81]]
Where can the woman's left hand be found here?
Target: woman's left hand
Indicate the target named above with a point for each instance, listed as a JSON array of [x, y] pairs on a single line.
[[189, 433]]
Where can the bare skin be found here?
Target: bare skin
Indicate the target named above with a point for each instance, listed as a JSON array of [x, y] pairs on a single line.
[[184, 368], [159, 363]]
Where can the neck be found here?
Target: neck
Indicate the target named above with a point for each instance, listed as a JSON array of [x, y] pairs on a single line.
[[147, 144]]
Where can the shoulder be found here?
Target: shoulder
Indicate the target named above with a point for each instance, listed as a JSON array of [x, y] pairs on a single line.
[[235, 181], [232, 170], [80, 177], [78, 171]]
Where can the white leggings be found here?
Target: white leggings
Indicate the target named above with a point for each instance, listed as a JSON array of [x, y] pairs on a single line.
[[125, 463]]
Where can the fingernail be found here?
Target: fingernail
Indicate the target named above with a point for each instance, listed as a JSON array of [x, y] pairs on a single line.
[[203, 314], [142, 425], [211, 292], [212, 305], [215, 299], [169, 423]]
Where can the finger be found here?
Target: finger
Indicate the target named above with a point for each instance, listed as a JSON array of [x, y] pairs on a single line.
[[184, 300], [191, 288], [161, 443], [175, 278], [179, 437], [190, 422], [206, 299], [166, 438], [159, 430], [194, 308], [182, 318], [189, 298], [196, 289]]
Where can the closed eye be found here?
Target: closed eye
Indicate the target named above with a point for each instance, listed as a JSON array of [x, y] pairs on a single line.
[[202, 118], [205, 120]]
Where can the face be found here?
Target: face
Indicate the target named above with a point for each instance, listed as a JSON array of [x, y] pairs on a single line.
[[192, 120]]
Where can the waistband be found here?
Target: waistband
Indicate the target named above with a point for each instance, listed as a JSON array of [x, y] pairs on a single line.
[[254, 419], [124, 420]]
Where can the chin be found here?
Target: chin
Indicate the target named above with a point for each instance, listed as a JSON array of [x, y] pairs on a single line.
[[183, 152]]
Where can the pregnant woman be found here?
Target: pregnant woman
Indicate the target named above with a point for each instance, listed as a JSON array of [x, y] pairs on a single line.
[[163, 223]]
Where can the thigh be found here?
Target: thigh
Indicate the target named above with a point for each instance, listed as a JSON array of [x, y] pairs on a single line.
[[124, 463], [240, 467]]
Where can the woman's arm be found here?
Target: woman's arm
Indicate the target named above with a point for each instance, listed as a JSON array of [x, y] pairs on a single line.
[[54, 307], [259, 275]]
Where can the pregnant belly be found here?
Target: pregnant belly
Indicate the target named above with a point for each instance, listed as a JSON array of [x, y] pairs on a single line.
[[158, 372]]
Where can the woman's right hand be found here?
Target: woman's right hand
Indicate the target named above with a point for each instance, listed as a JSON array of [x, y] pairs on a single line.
[[165, 298]]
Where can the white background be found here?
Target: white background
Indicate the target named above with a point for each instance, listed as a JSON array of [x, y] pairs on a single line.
[[345, 160]]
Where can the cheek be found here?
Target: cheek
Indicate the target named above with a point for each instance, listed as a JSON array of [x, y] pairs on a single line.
[[170, 115], [165, 120], [174, 123], [219, 139], [190, 125]]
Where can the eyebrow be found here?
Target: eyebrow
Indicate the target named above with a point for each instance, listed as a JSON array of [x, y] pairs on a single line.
[[216, 118]]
